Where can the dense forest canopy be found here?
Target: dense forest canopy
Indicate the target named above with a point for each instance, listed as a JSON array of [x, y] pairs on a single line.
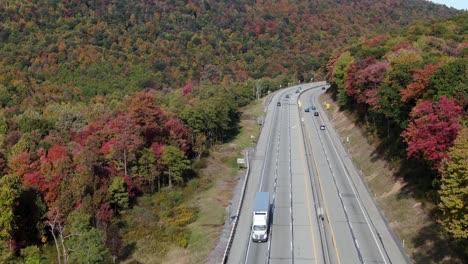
[[104, 101], [87, 48]]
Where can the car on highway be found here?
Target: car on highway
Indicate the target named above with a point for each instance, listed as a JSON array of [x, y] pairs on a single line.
[[278, 103], [306, 110], [287, 96], [323, 88], [322, 127], [297, 91], [316, 113], [313, 108]]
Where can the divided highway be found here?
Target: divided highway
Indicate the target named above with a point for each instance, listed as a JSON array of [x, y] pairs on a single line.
[[321, 210]]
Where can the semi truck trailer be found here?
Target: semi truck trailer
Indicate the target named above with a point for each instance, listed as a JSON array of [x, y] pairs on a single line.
[[261, 217]]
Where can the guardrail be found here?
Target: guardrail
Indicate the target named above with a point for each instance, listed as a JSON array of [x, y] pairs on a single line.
[[239, 207]]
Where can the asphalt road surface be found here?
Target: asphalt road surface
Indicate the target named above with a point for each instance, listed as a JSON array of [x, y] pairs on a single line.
[[321, 210]]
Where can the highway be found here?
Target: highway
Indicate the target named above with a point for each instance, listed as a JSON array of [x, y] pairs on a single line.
[[321, 210]]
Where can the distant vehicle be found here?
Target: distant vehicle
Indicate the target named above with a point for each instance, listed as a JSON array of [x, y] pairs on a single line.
[[287, 96], [297, 91], [261, 217], [316, 114], [278, 103], [322, 127], [323, 88], [313, 108], [307, 110]]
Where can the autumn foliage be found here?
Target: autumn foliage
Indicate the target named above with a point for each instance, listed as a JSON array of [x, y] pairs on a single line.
[[421, 81], [433, 129], [412, 91]]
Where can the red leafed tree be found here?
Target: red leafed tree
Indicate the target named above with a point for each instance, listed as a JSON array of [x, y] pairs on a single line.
[[353, 88], [369, 80], [34, 179], [54, 165], [179, 135], [432, 130], [20, 164], [145, 113], [125, 138], [88, 134], [187, 89], [373, 74], [105, 213], [421, 79], [57, 153]]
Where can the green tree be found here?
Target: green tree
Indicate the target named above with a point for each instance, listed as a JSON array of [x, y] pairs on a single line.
[[85, 242], [7, 256], [32, 255], [339, 75], [454, 188], [9, 192], [146, 167], [119, 195], [450, 80], [176, 163], [3, 128]]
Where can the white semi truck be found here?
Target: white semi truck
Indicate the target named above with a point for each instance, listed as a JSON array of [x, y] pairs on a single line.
[[261, 217]]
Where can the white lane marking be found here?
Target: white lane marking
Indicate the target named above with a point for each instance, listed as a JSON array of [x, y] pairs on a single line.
[[248, 247], [268, 145]]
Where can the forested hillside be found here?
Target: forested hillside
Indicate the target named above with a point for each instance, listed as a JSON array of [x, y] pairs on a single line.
[[411, 88], [102, 102], [85, 48]]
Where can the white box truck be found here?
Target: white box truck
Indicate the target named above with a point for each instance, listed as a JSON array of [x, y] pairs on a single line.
[[261, 217]]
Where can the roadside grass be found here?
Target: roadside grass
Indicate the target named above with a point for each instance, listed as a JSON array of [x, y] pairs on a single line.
[[408, 213]]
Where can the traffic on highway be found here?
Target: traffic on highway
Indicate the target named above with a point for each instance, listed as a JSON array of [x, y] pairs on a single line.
[[319, 209]]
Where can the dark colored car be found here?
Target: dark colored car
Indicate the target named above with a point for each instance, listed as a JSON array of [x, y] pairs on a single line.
[[287, 96], [297, 91], [322, 127], [323, 88], [278, 104], [313, 108], [316, 114], [307, 110]]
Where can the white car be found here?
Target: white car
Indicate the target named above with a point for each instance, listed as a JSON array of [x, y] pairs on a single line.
[[322, 127]]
